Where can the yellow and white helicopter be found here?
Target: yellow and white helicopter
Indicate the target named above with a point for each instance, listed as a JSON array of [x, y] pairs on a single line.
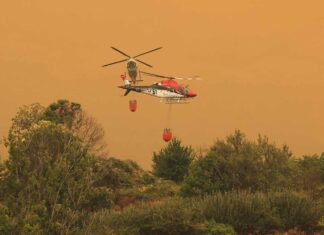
[[132, 68]]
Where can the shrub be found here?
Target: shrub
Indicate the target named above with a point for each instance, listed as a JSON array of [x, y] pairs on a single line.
[[244, 211], [296, 210], [215, 214], [239, 164], [210, 227], [172, 216]]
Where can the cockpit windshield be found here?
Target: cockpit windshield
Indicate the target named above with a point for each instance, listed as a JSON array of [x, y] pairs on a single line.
[[184, 90]]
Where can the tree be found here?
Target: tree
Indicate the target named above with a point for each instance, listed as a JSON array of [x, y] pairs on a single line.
[[48, 185], [172, 162], [239, 164], [72, 116], [62, 112]]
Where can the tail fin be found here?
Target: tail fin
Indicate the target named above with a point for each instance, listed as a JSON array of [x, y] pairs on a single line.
[[127, 91]]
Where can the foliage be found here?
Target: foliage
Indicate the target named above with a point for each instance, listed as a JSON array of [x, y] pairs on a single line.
[[72, 116], [23, 121], [210, 227], [62, 112], [297, 210], [246, 212], [310, 174], [130, 183], [49, 179], [173, 161], [239, 164], [150, 192], [47, 185], [57, 181], [117, 174], [263, 211], [168, 217]]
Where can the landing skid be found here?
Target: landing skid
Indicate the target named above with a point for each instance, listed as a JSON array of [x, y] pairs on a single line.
[[174, 101]]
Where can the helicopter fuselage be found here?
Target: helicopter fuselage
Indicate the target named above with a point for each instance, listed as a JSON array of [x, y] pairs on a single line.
[[165, 89], [132, 69], [161, 93]]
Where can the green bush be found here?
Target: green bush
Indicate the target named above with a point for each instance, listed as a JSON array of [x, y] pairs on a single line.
[[215, 214], [244, 211], [263, 212], [210, 227], [173, 216], [310, 174], [297, 210], [239, 164]]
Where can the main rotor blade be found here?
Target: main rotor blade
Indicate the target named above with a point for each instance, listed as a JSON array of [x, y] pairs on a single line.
[[169, 77], [190, 79], [148, 52], [144, 63], [115, 62], [156, 75], [120, 52]]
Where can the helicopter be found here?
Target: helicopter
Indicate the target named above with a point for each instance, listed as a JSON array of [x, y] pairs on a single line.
[[168, 90], [132, 68]]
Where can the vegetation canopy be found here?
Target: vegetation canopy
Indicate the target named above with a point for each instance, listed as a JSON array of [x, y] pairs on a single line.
[[173, 161], [58, 179]]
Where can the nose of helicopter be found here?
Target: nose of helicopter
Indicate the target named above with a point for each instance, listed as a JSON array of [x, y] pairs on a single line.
[[191, 94]]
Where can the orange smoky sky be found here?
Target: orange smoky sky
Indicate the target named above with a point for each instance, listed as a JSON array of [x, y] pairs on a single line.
[[262, 64]]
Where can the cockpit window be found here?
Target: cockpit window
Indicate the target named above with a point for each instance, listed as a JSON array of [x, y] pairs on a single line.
[[184, 90]]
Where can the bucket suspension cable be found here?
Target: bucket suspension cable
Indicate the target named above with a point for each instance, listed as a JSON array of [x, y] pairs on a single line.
[[168, 116]]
